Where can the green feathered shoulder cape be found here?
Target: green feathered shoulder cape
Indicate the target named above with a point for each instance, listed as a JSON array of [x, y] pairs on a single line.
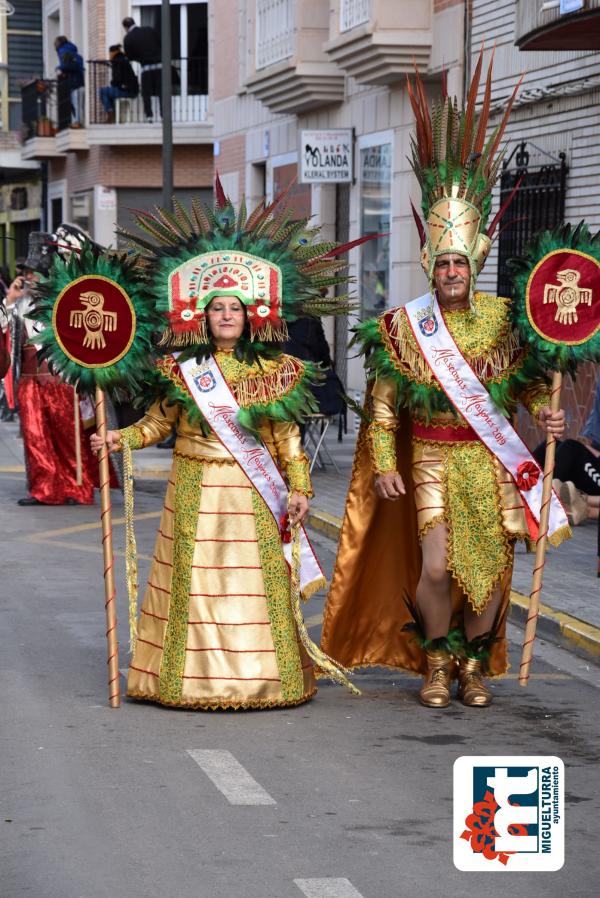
[[485, 337], [276, 389]]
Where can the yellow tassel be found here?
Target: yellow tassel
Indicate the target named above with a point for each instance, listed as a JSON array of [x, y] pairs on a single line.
[[323, 662], [266, 333], [131, 565], [268, 387]]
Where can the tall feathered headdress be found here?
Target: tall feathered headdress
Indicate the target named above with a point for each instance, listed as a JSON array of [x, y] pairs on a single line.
[[273, 262], [457, 169]]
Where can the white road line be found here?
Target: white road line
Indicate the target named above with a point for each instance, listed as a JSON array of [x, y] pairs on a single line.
[[230, 777], [327, 888]]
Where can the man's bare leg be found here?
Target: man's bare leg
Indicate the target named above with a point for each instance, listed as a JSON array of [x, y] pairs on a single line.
[[434, 603], [478, 624], [434, 587]]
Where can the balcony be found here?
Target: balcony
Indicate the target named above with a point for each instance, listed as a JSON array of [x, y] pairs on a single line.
[[131, 125], [291, 71], [39, 105], [370, 41], [542, 26]]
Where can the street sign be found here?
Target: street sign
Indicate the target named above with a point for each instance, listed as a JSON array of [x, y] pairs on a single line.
[[326, 157]]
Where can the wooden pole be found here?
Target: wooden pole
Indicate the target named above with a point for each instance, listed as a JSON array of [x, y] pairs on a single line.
[[114, 696], [540, 550], [79, 472]]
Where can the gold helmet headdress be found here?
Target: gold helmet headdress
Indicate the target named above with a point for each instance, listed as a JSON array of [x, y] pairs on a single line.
[[456, 169]]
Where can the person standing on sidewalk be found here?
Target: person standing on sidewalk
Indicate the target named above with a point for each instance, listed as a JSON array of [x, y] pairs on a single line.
[[47, 407], [424, 585]]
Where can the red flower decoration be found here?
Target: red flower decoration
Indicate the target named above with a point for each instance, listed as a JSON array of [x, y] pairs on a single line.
[[528, 474], [185, 317], [260, 313], [284, 528]]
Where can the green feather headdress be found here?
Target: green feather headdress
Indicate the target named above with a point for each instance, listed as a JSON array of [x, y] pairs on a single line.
[[456, 169], [198, 253]]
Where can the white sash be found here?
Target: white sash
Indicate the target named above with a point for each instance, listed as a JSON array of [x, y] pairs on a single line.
[[469, 396], [217, 403]]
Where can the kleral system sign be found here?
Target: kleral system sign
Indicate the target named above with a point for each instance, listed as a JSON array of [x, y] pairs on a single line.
[[326, 157]]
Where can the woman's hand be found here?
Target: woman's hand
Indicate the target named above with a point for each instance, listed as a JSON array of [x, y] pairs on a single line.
[[552, 422], [113, 441], [297, 508], [390, 486]]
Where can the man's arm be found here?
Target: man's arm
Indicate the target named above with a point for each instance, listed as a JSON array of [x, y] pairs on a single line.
[[381, 435]]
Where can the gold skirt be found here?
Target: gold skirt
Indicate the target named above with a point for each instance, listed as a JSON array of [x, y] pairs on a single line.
[[463, 485], [216, 628]]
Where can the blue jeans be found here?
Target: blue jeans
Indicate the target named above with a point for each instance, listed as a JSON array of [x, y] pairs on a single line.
[[109, 94]]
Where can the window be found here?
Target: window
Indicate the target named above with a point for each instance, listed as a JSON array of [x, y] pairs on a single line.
[[375, 218]]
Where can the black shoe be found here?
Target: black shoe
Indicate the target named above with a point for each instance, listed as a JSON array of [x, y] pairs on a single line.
[[29, 500], [169, 443]]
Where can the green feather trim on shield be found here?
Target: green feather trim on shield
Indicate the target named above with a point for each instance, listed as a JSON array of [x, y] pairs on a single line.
[[125, 375]]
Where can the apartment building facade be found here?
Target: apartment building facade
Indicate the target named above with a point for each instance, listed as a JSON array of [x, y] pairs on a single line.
[[552, 142], [20, 180], [284, 67], [98, 173]]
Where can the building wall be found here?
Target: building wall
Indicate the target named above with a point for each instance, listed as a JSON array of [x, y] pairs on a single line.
[[559, 111], [250, 137], [550, 124]]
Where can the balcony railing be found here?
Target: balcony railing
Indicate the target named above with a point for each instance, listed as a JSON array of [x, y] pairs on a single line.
[[274, 31], [189, 93], [45, 107], [353, 13]]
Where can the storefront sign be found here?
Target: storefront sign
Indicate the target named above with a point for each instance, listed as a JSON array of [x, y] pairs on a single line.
[[326, 157]]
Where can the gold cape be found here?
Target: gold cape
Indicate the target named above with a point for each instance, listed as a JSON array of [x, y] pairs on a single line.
[[378, 564]]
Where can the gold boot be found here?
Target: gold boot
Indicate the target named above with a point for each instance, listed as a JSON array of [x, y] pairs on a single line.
[[435, 692], [472, 691]]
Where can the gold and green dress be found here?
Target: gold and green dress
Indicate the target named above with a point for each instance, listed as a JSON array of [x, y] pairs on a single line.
[[451, 477], [216, 627]]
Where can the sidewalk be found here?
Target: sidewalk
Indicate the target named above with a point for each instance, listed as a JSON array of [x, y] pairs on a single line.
[[570, 613]]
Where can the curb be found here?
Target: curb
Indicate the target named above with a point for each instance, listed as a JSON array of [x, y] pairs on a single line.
[[569, 632]]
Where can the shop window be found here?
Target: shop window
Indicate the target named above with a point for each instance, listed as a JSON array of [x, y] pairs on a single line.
[[375, 218]]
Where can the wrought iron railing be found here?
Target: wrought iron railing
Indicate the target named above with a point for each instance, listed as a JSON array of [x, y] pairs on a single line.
[[45, 107], [189, 93], [538, 204], [353, 13], [274, 31]]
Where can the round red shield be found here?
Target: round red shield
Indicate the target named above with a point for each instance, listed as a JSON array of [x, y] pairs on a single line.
[[563, 297], [94, 321]]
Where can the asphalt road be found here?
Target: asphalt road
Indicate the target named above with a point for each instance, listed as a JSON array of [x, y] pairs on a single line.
[[352, 796]]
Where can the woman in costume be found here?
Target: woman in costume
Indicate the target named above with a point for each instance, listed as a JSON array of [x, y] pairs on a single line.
[[217, 627]]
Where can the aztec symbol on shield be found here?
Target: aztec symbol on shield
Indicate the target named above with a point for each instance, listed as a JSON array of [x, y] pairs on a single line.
[[205, 381]]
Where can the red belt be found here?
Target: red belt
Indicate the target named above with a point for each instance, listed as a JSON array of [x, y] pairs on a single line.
[[448, 434]]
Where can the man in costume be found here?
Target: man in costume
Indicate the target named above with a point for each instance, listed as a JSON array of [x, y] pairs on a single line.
[[424, 585], [57, 458]]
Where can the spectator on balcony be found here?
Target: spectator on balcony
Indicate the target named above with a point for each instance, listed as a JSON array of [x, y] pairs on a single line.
[[123, 83], [70, 70], [142, 44]]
